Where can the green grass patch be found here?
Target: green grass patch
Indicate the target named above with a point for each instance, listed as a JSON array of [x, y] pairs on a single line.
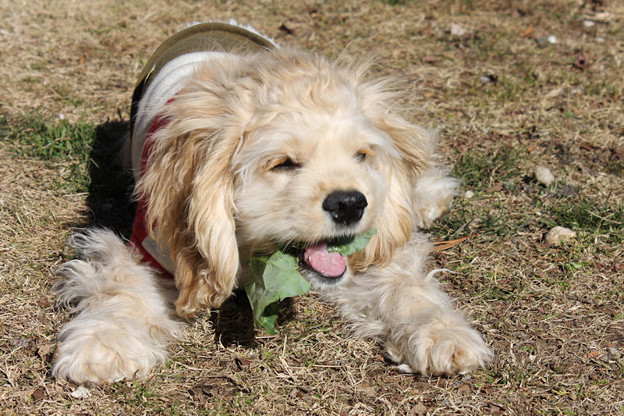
[[59, 142], [590, 216], [469, 216], [482, 173], [478, 171]]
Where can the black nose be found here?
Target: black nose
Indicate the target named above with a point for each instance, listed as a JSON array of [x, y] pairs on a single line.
[[345, 207]]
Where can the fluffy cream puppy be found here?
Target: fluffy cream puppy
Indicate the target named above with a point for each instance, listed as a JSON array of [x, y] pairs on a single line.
[[253, 149]]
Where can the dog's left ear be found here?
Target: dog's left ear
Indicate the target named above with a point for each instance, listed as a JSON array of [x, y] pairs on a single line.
[[413, 153], [188, 188]]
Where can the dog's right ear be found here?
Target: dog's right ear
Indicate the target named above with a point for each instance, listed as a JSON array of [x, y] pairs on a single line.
[[188, 190]]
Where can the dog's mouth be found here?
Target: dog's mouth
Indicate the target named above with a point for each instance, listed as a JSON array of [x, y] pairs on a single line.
[[321, 260]]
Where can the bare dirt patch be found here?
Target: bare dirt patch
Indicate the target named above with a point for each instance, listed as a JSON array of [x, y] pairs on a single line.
[[511, 85]]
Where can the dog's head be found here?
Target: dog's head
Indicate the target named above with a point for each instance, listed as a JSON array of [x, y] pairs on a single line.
[[283, 149]]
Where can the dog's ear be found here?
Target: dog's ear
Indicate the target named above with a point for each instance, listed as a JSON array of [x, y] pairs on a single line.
[[188, 189], [413, 153]]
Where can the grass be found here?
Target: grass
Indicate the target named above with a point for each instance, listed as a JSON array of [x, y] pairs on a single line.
[[552, 314], [480, 170], [499, 173], [86, 157], [59, 142], [604, 218]]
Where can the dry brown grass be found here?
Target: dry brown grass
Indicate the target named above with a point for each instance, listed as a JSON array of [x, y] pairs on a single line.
[[553, 315]]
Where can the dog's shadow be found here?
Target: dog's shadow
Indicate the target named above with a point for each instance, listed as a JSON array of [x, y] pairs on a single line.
[[109, 201], [233, 321], [110, 204]]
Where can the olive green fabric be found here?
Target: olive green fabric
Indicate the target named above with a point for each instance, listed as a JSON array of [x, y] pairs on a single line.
[[216, 37]]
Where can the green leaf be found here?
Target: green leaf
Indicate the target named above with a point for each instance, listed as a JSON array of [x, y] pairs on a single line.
[[358, 244], [273, 279], [269, 318]]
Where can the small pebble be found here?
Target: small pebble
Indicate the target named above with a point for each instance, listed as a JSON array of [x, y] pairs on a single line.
[[544, 175], [80, 393], [457, 30], [552, 39], [488, 79], [559, 234], [468, 194]]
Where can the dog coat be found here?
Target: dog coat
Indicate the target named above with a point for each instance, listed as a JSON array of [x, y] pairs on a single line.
[[174, 61]]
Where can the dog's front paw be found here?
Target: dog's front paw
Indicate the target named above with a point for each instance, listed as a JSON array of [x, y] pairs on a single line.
[[439, 349], [100, 352]]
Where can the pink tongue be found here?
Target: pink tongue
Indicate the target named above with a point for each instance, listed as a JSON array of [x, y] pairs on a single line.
[[324, 262]]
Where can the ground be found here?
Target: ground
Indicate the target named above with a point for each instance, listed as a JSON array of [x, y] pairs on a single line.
[[510, 85]]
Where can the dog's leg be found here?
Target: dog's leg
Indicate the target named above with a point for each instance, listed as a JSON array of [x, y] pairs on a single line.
[[122, 322], [433, 195], [409, 313]]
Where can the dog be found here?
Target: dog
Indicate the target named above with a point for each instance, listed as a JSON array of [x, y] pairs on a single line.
[[238, 146]]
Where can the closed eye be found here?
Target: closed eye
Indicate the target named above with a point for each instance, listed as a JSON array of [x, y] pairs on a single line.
[[282, 164], [363, 154]]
